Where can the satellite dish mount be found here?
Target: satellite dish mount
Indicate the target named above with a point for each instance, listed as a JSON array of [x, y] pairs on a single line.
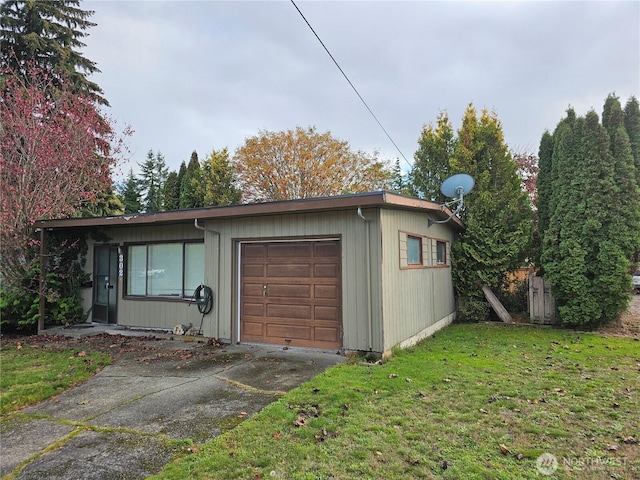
[[456, 187]]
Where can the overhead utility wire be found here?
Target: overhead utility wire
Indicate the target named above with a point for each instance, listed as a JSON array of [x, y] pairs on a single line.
[[352, 86]]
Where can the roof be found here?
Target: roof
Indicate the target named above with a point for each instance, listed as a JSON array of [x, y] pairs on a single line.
[[381, 199]]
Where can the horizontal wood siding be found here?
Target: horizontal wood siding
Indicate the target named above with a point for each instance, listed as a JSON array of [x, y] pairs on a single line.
[[414, 299]]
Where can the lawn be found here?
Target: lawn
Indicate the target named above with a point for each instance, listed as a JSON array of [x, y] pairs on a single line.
[[474, 402], [30, 374]]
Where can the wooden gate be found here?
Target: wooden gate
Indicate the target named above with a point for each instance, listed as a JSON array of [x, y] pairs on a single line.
[[542, 307]]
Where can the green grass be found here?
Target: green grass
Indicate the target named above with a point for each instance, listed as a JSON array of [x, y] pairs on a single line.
[[29, 375], [449, 402]]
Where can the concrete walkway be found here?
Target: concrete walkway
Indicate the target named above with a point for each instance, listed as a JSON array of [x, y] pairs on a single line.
[[131, 418]]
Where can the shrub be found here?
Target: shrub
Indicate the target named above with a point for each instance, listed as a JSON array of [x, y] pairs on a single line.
[[472, 310]]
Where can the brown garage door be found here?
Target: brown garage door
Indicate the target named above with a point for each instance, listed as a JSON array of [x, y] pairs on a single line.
[[291, 294]]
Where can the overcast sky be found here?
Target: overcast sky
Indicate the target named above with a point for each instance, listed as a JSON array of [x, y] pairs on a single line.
[[206, 75]]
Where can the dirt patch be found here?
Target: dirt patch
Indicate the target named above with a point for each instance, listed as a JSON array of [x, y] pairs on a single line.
[[144, 348], [629, 323]]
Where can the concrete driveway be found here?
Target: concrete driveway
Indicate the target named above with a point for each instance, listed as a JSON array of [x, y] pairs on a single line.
[[127, 421]]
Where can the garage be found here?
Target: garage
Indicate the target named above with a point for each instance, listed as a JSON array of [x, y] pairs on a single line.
[[290, 293]]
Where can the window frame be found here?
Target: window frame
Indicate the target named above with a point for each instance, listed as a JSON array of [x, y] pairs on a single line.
[[420, 262], [445, 261], [184, 295]]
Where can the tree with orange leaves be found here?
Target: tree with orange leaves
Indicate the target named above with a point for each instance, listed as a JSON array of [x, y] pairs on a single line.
[[303, 163]]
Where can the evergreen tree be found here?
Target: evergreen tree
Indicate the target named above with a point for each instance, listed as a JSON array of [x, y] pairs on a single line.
[[434, 160], [624, 202], [191, 190], [594, 218], [130, 194], [398, 178], [154, 175], [106, 203], [48, 34], [497, 213], [632, 125], [218, 179], [172, 192]]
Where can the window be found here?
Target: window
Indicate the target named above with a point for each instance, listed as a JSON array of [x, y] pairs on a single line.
[[441, 253], [165, 269], [414, 250]]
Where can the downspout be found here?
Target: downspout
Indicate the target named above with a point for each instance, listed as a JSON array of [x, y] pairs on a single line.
[[368, 254], [43, 279], [216, 300]]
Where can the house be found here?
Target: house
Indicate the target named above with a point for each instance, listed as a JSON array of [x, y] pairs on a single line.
[[363, 272]]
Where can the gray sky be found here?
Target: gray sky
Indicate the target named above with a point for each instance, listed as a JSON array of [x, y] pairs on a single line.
[[206, 75]]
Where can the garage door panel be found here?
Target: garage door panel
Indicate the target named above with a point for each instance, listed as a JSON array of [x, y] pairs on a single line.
[[289, 332], [288, 290], [327, 249], [299, 312], [255, 329], [253, 270], [325, 291], [289, 270], [293, 290], [253, 309], [328, 270], [325, 334], [254, 250], [252, 289], [289, 249], [326, 313]]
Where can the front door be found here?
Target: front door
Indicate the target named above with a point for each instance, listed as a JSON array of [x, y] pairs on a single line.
[[105, 283]]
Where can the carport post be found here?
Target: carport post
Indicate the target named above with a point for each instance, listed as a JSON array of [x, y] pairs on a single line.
[[43, 278]]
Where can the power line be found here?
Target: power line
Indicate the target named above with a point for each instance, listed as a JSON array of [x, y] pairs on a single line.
[[350, 83]]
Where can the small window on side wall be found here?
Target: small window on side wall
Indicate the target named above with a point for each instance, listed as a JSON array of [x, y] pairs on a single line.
[[441, 253], [414, 250]]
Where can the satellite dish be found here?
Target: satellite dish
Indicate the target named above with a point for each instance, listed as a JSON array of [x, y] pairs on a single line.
[[456, 187]]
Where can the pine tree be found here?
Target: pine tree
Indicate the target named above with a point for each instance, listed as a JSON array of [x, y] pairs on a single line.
[[130, 194], [154, 174], [48, 34], [191, 190], [218, 179], [172, 192]]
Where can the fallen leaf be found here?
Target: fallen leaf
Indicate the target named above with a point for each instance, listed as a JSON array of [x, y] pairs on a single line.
[[393, 375], [447, 380], [503, 449], [482, 410], [629, 440], [82, 354], [276, 436], [408, 380], [612, 447], [299, 422]]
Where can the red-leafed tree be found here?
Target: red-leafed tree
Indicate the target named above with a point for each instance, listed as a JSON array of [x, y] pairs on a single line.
[[56, 154], [528, 172]]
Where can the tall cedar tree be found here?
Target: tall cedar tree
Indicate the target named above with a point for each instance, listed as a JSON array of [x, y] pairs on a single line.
[[593, 224], [632, 125], [545, 192], [434, 160], [303, 163], [130, 194], [172, 192], [497, 212], [47, 34], [218, 180], [191, 190], [154, 173]]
